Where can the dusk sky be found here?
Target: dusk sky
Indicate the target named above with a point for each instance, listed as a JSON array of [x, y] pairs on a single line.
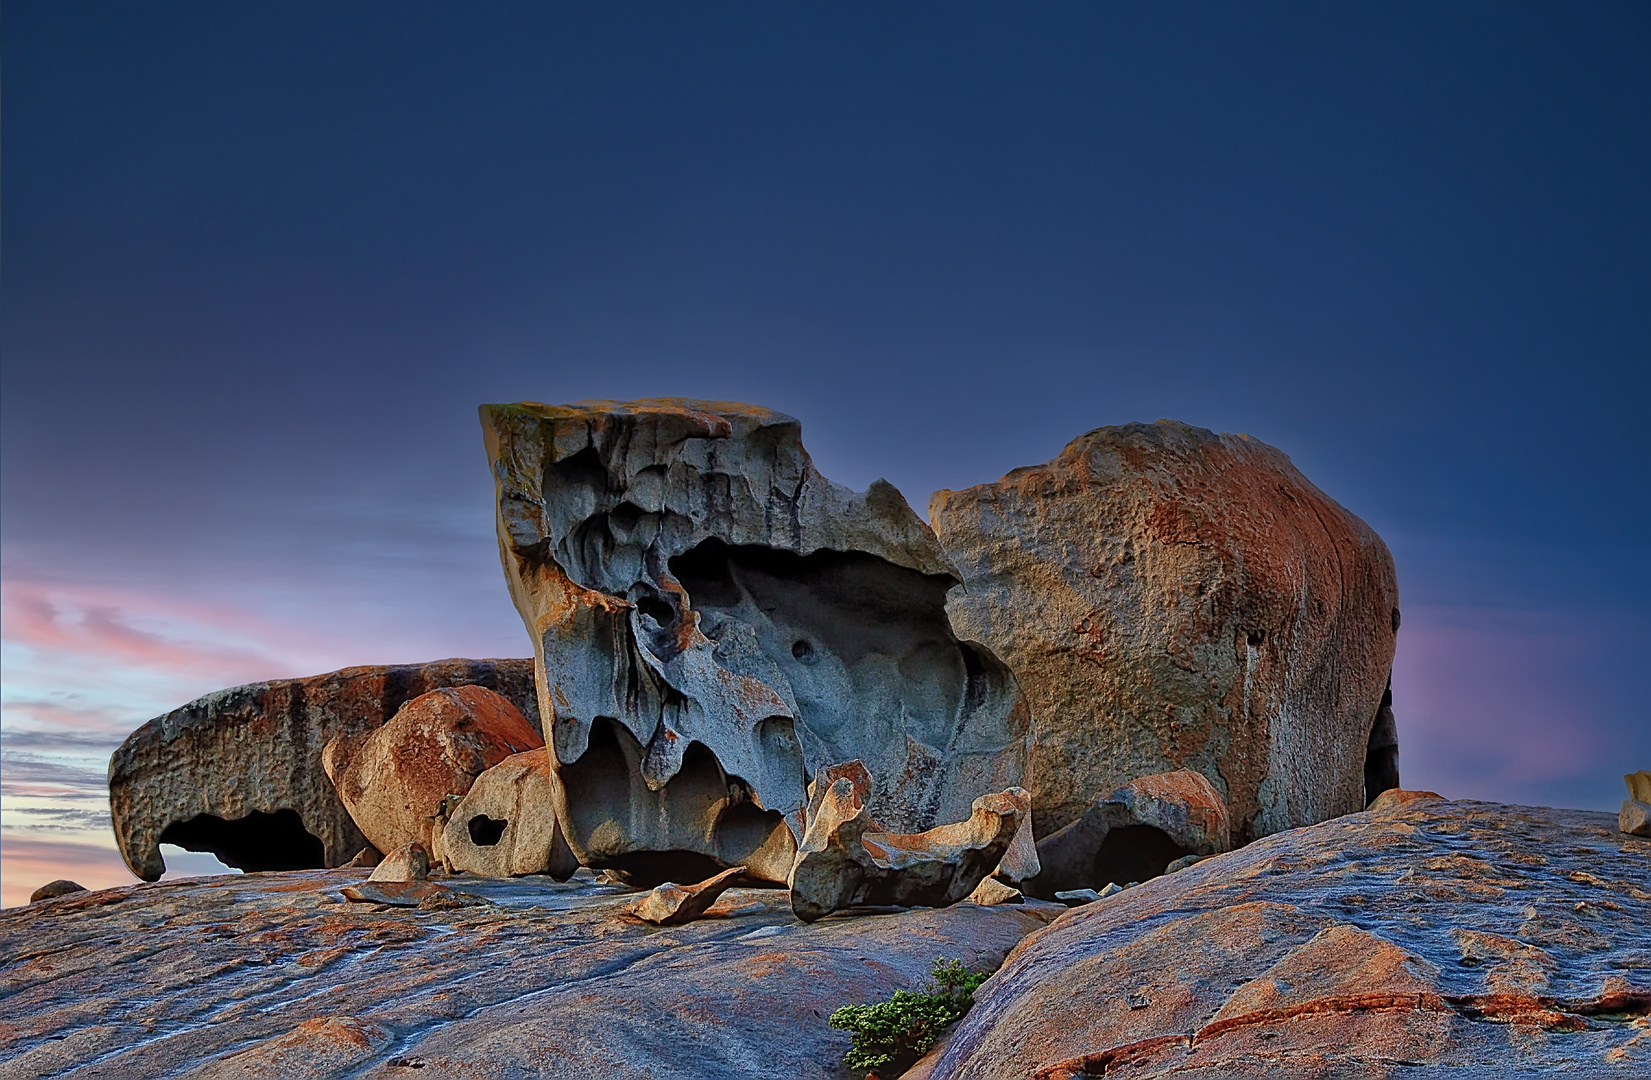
[[262, 262]]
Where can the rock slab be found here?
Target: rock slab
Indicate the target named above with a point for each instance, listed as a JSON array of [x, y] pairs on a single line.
[[275, 975], [239, 773], [1434, 938], [1172, 598]]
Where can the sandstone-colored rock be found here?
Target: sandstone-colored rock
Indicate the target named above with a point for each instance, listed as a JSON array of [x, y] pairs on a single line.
[[409, 862], [533, 979], [238, 772], [1183, 862], [1398, 798], [506, 825], [395, 779], [992, 891], [1453, 939], [671, 904], [715, 622], [1172, 598], [1639, 785], [847, 860], [1134, 834], [1634, 818], [53, 889], [365, 859]]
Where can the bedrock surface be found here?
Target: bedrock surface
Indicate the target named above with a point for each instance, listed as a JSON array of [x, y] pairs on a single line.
[[274, 975], [1435, 939]]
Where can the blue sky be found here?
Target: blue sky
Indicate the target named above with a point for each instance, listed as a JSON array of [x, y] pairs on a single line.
[[262, 261]]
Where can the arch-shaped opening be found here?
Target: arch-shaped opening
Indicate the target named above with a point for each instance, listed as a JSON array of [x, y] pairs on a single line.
[[259, 841], [1134, 853]]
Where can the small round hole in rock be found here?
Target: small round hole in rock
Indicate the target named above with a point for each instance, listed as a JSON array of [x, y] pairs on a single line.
[[485, 831], [803, 651]]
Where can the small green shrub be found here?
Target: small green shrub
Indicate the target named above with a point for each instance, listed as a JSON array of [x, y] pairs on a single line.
[[889, 1036]]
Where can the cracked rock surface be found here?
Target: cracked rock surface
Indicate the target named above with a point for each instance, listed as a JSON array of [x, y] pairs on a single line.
[[1430, 939], [274, 975]]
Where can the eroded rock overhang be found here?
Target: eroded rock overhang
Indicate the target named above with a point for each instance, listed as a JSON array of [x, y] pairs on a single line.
[[714, 621]]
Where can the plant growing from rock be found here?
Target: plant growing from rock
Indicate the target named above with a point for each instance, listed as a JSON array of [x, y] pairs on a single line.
[[889, 1036]]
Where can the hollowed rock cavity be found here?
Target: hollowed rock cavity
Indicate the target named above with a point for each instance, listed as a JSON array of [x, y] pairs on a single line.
[[714, 621], [258, 841]]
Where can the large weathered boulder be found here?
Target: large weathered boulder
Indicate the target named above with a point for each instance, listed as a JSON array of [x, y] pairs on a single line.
[[1433, 938], [714, 621], [238, 772], [396, 779], [273, 975], [506, 826], [1172, 598]]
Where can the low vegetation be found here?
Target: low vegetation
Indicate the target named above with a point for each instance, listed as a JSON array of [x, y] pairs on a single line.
[[889, 1036]]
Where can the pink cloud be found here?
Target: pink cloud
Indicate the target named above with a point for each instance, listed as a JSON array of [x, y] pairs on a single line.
[[25, 865]]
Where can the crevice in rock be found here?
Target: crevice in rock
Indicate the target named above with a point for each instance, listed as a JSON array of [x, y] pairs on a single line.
[[1381, 755], [259, 841]]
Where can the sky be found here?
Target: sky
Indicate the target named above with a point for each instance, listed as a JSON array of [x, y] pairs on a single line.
[[262, 262]]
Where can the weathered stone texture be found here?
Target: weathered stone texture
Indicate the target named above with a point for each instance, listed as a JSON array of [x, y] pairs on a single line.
[[1432, 938], [238, 772], [1173, 598], [506, 826], [273, 975], [714, 621]]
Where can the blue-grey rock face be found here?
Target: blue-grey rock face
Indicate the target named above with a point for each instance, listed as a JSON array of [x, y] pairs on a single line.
[[715, 621]]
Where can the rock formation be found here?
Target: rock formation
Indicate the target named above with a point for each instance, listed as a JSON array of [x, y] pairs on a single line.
[[846, 859], [714, 622], [671, 904], [238, 772], [1171, 598], [506, 826], [396, 779], [1462, 939], [54, 889], [1134, 834], [1635, 817]]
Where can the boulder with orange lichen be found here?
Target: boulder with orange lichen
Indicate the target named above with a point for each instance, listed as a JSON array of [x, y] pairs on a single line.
[[1423, 938], [396, 779], [1172, 598]]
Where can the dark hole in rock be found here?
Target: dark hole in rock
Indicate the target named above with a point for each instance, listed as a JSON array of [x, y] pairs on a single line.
[[485, 831], [1256, 637], [803, 651], [1395, 620], [645, 869], [1381, 752], [258, 841], [658, 609], [1135, 853]]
